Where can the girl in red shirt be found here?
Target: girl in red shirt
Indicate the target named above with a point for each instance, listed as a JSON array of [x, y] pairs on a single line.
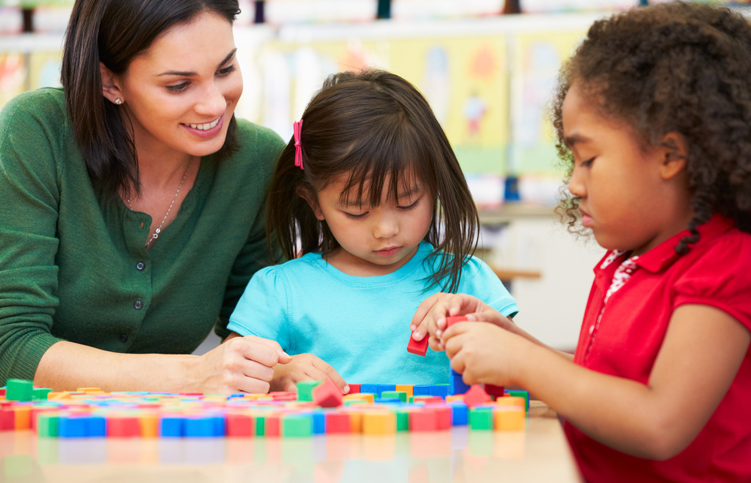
[[653, 117]]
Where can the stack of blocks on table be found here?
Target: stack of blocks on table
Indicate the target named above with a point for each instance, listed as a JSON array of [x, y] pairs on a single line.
[[317, 408]]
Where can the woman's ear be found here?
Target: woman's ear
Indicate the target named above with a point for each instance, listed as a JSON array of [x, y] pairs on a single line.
[[110, 86], [312, 201], [675, 154]]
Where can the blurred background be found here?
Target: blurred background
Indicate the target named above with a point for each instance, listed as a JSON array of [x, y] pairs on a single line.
[[487, 67]]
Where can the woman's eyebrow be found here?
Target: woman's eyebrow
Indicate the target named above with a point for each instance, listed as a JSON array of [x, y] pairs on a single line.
[[193, 74]]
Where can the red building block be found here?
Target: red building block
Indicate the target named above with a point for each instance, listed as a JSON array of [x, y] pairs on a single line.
[[454, 320], [442, 416], [495, 391], [273, 426], [476, 395], [338, 423], [423, 420], [240, 425], [420, 348], [327, 395], [354, 389], [123, 427], [7, 419]]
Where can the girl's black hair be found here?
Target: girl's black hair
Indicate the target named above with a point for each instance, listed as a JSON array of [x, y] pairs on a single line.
[[114, 32], [674, 67], [371, 126]]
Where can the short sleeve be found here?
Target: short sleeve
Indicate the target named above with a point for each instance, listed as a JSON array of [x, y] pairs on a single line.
[[262, 308], [720, 278], [479, 280]]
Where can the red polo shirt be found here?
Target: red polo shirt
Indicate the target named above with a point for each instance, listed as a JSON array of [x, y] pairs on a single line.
[[715, 272]]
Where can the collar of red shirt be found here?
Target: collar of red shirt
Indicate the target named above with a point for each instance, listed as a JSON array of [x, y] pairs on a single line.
[[663, 255]]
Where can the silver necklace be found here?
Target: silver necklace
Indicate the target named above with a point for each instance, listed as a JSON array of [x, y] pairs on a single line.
[[159, 230]]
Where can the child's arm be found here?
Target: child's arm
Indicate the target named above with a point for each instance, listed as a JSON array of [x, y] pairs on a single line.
[[698, 361], [430, 318], [301, 367]]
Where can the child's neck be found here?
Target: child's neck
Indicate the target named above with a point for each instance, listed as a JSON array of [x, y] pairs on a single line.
[[355, 266]]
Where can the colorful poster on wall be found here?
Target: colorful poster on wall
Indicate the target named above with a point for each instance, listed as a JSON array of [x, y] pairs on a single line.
[[12, 76], [44, 69]]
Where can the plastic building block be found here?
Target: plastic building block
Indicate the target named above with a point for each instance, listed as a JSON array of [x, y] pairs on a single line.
[[172, 427], [305, 390], [378, 422], [419, 348], [421, 390], [260, 422], [481, 419], [19, 390], [519, 402], [402, 419], [354, 388], [355, 421], [368, 388], [442, 416], [460, 414], [427, 399], [440, 390], [96, 426], [494, 391], [240, 426], [123, 427], [337, 423], [509, 419], [199, 427], [149, 424], [297, 426], [457, 385], [476, 395], [404, 388], [273, 426], [327, 395], [22, 417], [7, 419], [40, 393], [47, 424], [72, 426], [319, 422], [520, 393], [385, 387], [401, 396], [422, 421], [454, 320]]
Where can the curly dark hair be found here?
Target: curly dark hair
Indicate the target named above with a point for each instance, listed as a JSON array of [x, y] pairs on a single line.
[[673, 67]]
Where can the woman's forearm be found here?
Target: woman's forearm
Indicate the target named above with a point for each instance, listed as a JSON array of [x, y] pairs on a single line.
[[68, 366]]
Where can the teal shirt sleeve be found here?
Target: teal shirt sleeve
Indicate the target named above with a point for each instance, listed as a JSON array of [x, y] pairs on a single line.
[[478, 279], [263, 308], [29, 198]]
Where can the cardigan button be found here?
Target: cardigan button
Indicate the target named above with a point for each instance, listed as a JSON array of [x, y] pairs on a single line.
[[140, 266], [138, 305], [123, 338]]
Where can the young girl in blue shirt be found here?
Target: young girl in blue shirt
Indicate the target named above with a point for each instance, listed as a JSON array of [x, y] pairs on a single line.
[[370, 194]]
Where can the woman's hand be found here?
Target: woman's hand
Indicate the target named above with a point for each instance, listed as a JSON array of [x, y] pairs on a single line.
[[240, 364], [305, 367], [430, 318], [485, 353]]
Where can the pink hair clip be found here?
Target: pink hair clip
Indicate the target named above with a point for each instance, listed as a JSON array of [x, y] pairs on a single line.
[[298, 148]]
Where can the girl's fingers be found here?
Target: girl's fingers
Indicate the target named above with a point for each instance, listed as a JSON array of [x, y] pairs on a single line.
[[422, 311], [282, 357], [330, 373]]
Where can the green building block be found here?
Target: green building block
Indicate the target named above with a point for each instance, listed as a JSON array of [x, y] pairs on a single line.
[[297, 426], [40, 393], [394, 395], [354, 402], [47, 425], [305, 390], [520, 393], [19, 390], [481, 419], [402, 420], [260, 425]]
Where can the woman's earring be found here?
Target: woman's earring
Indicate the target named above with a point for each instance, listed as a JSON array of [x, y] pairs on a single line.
[[118, 101]]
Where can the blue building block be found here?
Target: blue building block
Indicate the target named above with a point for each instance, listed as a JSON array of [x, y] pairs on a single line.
[[172, 427], [96, 427], [454, 373], [220, 425], [319, 422], [459, 414], [72, 427], [441, 390], [457, 385], [392, 400], [421, 390], [384, 387], [369, 388], [200, 427]]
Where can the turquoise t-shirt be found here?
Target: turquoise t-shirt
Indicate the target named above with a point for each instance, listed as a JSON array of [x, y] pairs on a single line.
[[359, 325]]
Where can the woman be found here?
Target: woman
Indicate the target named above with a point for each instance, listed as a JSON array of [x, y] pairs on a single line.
[[131, 207]]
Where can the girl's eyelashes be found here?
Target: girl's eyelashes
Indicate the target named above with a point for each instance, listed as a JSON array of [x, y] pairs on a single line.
[[221, 73], [587, 163], [350, 215], [410, 207]]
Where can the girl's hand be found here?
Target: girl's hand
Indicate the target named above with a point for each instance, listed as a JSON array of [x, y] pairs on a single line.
[[430, 318], [485, 353], [240, 364], [305, 367]]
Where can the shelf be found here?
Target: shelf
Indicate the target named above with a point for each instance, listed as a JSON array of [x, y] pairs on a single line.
[[511, 212]]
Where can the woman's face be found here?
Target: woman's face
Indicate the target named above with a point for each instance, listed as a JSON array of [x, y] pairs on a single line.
[[181, 93]]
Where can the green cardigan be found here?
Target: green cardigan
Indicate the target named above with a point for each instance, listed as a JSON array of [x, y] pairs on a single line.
[[73, 266]]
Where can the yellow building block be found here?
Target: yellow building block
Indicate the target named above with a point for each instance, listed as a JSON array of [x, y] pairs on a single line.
[[511, 401], [355, 421], [457, 397], [509, 419], [88, 389], [149, 425], [359, 397], [378, 422], [405, 388]]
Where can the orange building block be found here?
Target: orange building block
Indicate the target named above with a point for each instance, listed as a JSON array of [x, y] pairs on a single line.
[[405, 388], [512, 401], [378, 422], [149, 425], [509, 419], [22, 417]]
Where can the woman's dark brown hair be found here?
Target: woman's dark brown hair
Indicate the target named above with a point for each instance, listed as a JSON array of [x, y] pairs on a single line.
[[114, 32], [373, 126], [674, 67]]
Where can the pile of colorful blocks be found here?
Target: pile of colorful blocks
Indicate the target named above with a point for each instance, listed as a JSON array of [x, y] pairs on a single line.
[[316, 408]]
